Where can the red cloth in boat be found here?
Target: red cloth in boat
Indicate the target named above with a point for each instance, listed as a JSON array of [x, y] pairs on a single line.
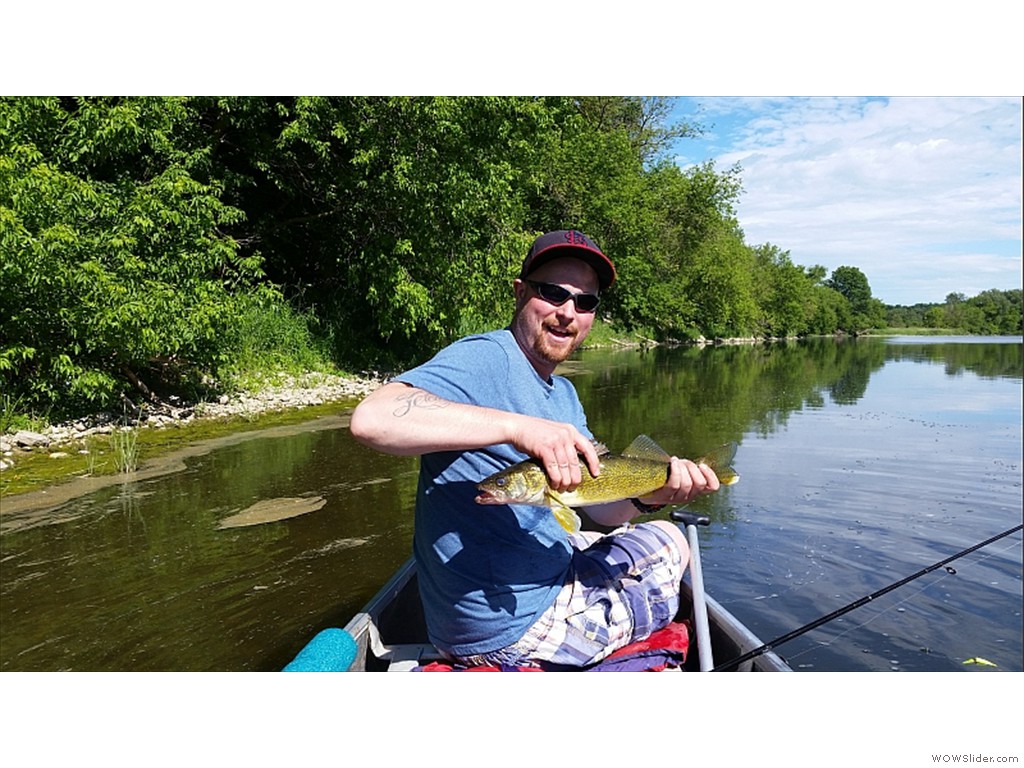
[[666, 648]]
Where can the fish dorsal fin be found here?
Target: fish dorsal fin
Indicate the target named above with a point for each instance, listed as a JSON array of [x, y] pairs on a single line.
[[643, 447], [601, 448]]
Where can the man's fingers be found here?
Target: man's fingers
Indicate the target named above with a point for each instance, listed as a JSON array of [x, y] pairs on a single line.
[[563, 452], [565, 470], [560, 472], [589, 453], [686, 482], [711, 477]]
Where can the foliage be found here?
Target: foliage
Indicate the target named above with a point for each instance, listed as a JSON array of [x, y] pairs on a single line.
[[852, 284], [269, 336], [992, 312], [115, 267], [153, 244], [784, 293], [398, 222]]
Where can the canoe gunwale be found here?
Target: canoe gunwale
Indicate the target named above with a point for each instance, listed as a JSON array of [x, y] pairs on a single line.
[[731, 639]]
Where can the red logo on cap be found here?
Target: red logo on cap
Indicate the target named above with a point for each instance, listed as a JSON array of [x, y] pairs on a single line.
[[575, 238]]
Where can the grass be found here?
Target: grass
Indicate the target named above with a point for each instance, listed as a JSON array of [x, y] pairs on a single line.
[[14, 417], [124, 443], [606, 334], [917, 332], [9, 407], [272, 337]]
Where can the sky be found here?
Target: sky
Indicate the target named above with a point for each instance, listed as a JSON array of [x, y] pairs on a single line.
[[922, 194]]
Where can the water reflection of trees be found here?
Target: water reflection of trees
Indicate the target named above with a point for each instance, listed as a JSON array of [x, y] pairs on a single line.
[[705, 396], [988, 360]]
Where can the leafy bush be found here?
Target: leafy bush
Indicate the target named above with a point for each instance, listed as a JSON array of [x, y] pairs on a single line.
[[116, 268]]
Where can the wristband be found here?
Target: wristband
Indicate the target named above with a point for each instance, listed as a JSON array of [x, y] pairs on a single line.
[[646, 508]]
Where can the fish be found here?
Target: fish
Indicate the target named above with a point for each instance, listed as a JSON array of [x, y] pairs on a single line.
[[641, 469]]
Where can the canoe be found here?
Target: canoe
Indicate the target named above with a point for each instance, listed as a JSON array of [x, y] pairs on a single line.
[[389, 634]]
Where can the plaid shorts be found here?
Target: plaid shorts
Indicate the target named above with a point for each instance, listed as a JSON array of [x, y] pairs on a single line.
[[620, 588]]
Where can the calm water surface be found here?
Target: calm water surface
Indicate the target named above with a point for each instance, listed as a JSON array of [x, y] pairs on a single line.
[[862, 462]]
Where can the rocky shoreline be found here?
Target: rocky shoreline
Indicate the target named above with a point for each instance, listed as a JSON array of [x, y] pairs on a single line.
[[285, 393]]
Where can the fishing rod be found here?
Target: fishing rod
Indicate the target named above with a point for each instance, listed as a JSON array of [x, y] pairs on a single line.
[[856, 604]]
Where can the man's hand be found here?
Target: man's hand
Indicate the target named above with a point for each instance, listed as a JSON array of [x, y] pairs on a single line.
[[558, 447], [686, 482]]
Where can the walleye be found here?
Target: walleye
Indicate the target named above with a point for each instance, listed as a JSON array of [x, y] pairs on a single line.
[[641, 469]]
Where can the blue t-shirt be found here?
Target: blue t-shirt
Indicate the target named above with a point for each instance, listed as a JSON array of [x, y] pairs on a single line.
[[486, 573]]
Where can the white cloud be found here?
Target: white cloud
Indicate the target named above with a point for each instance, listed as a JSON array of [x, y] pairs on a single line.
[[922, 194]]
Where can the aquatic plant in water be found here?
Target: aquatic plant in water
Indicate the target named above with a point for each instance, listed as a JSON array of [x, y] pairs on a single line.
[[125, 444]]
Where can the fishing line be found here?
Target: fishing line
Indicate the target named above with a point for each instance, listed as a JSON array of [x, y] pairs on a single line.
[[857, 603], [949, 572]]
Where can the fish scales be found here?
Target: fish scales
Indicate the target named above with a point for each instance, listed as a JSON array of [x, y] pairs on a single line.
[[620, 478]]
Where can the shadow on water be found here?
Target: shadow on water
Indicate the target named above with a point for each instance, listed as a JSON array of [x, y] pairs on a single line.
[[862, 461]]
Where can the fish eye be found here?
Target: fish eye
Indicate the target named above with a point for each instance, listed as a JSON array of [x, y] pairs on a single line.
[[502, 481]]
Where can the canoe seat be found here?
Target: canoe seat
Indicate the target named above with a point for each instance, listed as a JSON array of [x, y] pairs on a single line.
[[402, 657], [405, 658]]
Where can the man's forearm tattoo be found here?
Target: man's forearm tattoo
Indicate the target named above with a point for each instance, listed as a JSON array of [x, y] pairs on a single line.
[[418, 400]]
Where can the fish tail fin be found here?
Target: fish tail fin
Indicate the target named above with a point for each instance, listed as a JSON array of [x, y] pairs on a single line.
[[727, 476], [720, 460]]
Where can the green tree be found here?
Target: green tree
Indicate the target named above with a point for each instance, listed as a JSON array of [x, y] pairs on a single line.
[[643, 119], [719, 278], [995, 312], [688, 272], [831, 311], [935, 317], [398, 221], [852, 284], [784, 293], [115, 266]]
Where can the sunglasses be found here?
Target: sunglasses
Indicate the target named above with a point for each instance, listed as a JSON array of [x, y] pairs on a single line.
[[557, 295]]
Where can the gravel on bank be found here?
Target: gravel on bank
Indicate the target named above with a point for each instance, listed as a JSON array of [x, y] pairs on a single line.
[[286, 392]]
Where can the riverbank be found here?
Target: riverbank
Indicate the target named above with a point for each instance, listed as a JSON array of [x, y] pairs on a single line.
[[277, 393], [108, 443]]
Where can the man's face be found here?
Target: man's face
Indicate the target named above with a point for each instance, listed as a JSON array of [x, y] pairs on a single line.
[[548, 334]]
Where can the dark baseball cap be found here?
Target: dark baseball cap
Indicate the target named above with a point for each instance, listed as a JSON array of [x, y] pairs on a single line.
[[569, 243]]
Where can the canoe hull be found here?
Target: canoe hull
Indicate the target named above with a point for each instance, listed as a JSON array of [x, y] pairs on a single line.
[[390, 632]]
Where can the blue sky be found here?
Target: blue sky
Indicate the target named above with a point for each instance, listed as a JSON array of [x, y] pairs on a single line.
[[922, 194]]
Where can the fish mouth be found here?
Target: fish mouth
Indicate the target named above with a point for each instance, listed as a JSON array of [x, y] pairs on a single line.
[[486, 497]]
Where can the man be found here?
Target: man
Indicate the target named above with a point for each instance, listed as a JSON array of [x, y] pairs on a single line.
[[506, 584]]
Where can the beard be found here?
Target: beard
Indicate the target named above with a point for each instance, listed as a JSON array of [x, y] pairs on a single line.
[[555, 353], [537, 342]]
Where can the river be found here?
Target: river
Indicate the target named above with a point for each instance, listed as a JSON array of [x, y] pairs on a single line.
[[862, 462]]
